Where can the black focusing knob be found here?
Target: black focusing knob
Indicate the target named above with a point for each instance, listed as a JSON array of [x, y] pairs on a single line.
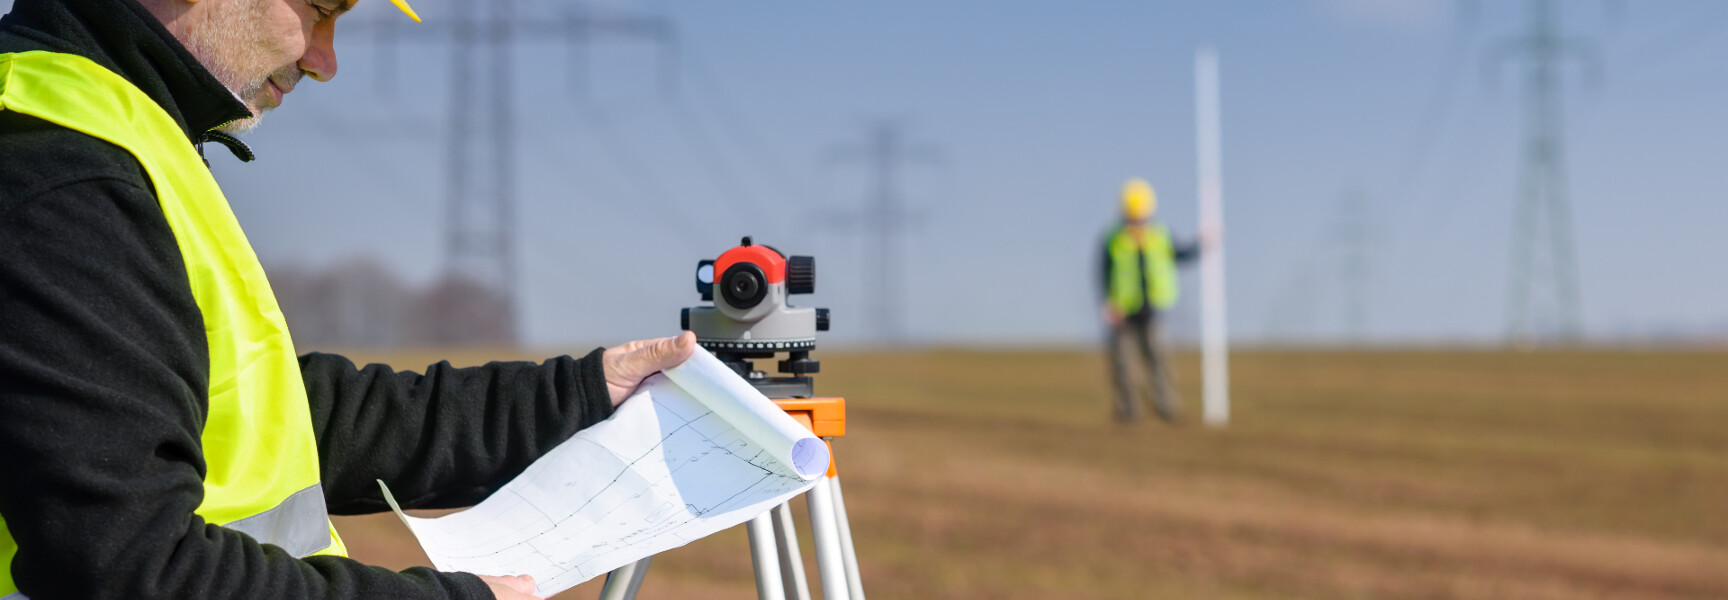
[[684, 319], [801, 275], [821, 319]]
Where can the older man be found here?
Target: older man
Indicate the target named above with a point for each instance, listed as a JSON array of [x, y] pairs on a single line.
[[159, 437]]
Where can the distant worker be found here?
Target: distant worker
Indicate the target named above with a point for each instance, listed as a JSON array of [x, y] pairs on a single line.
[[1139, 284]]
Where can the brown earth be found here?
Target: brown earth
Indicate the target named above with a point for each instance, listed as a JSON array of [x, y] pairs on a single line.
[[1397, 474]]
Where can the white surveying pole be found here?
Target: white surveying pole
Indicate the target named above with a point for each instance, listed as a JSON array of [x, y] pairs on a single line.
[[1214, 340]]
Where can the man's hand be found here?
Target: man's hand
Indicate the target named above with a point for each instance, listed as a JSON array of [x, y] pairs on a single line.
[[627, 365], [1211, 236], [513, 587], [1111, 317]]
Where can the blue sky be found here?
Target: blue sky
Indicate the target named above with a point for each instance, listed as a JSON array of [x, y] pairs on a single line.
[[1038, 111]]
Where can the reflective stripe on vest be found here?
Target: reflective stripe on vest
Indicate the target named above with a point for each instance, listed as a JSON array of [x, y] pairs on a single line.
[[260, 454], [1129, 286]]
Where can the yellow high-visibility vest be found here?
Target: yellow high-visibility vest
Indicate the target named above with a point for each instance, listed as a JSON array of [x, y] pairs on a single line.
[[1130, 287], [260, 453]]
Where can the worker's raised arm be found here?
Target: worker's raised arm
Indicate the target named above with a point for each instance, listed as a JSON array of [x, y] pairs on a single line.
[[1185, 253], [447, 437], [103, 398]]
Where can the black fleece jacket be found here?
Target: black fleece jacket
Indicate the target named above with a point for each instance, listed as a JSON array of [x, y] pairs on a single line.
[[104, 370]]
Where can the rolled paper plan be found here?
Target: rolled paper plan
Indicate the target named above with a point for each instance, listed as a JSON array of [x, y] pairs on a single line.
[[695, 450]]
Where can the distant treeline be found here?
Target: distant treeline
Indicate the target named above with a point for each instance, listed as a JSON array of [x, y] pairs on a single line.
[[359, 303]]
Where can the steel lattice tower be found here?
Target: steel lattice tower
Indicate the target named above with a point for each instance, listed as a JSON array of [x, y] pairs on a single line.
[[480, 266], [1543, 298], [884, 219], [480, 202]]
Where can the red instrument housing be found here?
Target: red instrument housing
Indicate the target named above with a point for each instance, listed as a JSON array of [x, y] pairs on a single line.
[[773, 265]]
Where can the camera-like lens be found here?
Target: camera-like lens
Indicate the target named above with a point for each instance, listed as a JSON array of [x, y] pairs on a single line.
[[743, 285]]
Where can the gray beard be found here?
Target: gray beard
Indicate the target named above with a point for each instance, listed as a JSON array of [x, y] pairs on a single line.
[[243, 126]]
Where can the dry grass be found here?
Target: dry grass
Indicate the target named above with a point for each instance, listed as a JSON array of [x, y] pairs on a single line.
[[1344, 475]]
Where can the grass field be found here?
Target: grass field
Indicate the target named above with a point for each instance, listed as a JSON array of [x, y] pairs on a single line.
[[1397, 474]]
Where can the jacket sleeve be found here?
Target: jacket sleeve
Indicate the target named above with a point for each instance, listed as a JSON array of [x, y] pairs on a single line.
[[102, 400], [446, 438], [1185, 253]]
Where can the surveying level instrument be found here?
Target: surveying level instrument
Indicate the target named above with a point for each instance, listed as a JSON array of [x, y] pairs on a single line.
[[753, 319], [750, 318]]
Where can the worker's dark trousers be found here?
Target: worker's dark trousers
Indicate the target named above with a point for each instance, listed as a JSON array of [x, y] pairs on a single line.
[[1133, 344]]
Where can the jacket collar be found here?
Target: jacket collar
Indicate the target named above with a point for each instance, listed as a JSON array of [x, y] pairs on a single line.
[[126, 39]]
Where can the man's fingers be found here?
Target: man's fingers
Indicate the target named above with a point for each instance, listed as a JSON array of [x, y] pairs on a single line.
[[673, 351], [642, 358], [659, 354], [628, 364]]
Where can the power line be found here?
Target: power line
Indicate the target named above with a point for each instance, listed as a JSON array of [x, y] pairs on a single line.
[[1693, 31], [720, 105], [713, 159], [1431, 121], [634, 169]]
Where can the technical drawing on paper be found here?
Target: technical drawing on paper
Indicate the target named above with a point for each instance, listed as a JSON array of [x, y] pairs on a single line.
[[666, 469]]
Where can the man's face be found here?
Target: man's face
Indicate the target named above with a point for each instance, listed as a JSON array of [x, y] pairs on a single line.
[[259, 49]]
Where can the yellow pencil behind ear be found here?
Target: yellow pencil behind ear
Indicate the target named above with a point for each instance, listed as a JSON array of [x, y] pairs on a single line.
[[403, 4]]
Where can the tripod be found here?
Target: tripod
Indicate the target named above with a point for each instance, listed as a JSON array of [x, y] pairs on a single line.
[[774, 552]]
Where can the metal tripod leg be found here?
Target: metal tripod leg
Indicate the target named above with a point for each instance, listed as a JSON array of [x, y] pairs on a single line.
[[764, 555], [826, 532], [791, 558], [854, 581], [776, 556], [623, 582]]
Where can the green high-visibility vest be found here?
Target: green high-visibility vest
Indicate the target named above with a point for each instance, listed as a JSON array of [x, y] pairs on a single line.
[[260, 453], [1130, 287]]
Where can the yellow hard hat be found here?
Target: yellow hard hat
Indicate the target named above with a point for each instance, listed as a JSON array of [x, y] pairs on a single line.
[[1138, 200], [403, 4]]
